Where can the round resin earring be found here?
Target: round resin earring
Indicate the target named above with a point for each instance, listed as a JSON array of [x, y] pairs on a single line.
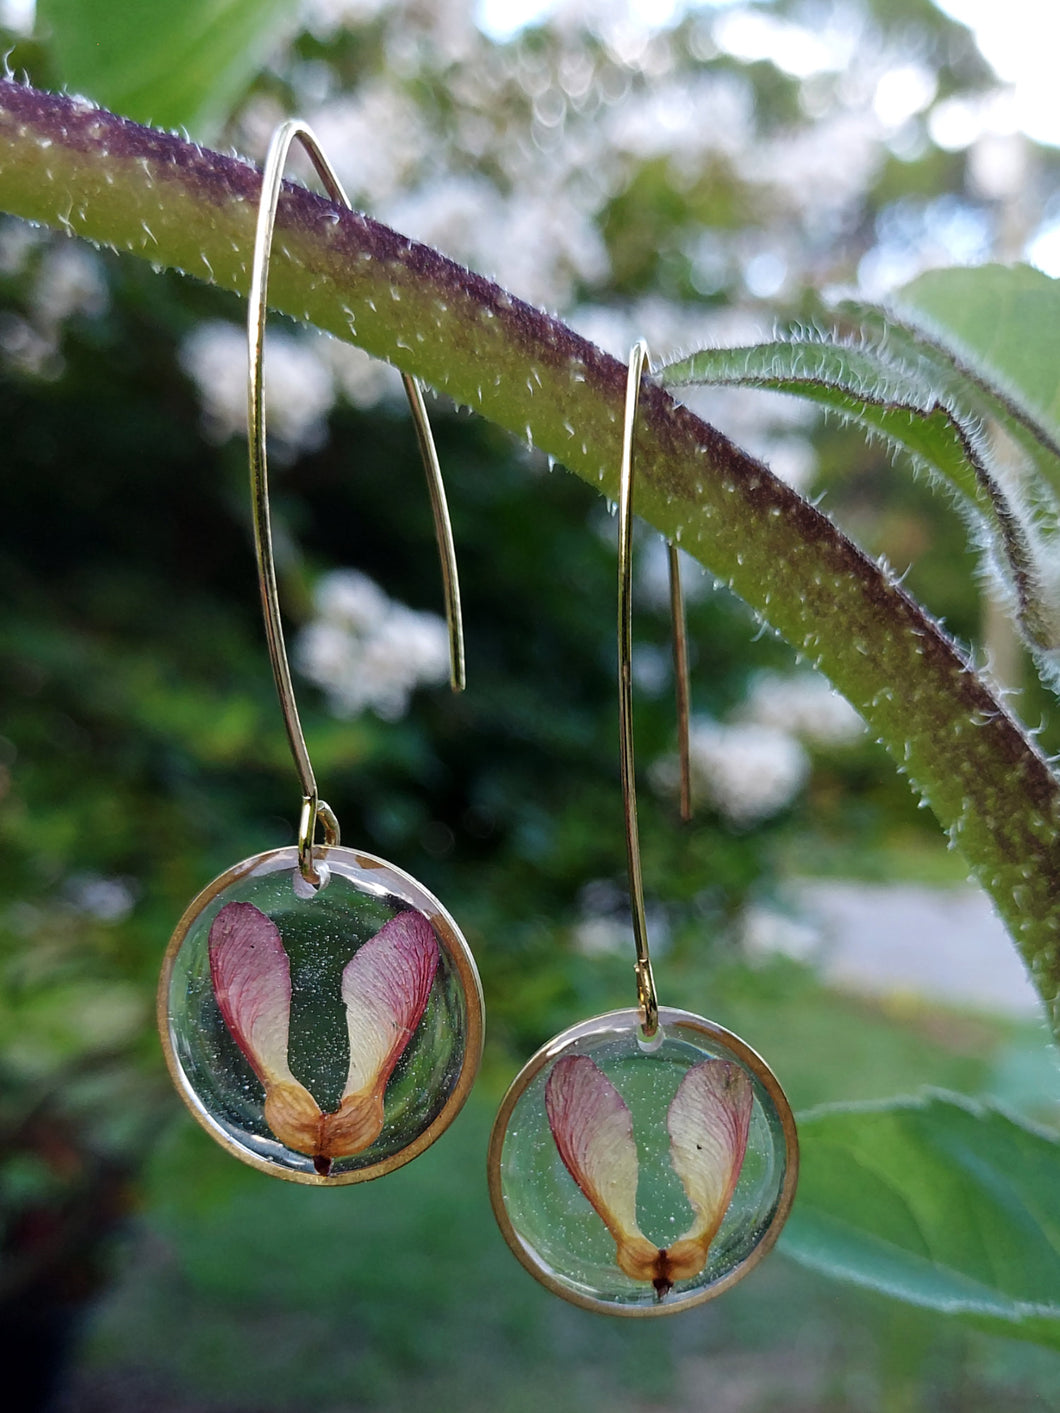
[[645, 1160], [320, 1012]]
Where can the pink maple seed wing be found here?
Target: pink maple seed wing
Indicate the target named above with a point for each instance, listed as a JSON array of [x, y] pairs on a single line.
[[593, 1131], [251, 978], [708, 1121], [385, 986]]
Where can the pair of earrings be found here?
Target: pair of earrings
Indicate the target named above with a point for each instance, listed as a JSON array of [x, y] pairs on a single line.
[[322, 1015]]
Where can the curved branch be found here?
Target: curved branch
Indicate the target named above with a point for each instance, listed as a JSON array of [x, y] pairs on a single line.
[[92, 174]]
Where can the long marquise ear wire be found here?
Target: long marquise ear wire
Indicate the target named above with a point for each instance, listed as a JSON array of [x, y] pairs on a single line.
[[314, 808], [646, 996], [639, 363]]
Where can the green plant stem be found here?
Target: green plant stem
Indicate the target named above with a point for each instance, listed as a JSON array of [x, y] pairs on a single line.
[[91, 174]]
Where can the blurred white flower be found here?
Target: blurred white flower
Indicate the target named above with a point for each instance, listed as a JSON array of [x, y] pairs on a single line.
[[350, 601], [765, 931], [602, 936], [792, 459], [324, 17], [652, 563], [367, 652], [999, 165], [18, 240], [670, 118], [903, 91], [457, 212], [18, 15], [28, 349], [606, 325], [753, 767], [299, 386], [606, 927], [299, 391], [363, 381], [666, 325], [828, 47], [955, 123], [539, 245], [106, 899], [376, 140], [748, 772], [70, 281], [805, 705], [822, 169]]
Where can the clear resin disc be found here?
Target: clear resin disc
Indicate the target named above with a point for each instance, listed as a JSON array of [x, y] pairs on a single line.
[[641, 1177], [325, 1036]]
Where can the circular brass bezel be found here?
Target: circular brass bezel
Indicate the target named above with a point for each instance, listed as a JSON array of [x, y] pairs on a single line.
[[623, 1022], [401, 885]]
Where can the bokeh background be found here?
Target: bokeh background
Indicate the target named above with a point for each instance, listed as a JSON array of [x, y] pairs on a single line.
[[691, 173]]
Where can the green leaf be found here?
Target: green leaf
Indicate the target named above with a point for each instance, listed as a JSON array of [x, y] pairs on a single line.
[[861, 385], [1003, 321], [895, 381], [179, 63], [976, 392], [939, 1202], [902, 388]]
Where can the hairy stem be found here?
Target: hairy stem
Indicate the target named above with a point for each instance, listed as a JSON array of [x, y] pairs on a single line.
[[94, 175]]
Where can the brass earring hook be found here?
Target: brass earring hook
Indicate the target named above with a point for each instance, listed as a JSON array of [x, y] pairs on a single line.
[[647, 999], [314, 808]]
